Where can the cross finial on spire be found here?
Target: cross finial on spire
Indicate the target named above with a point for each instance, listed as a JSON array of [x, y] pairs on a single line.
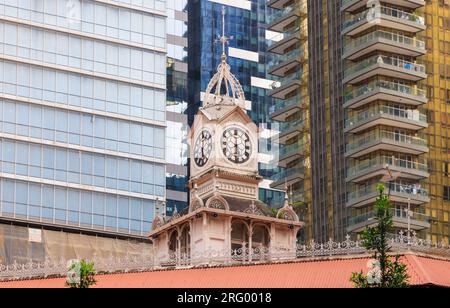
[[223, 39]]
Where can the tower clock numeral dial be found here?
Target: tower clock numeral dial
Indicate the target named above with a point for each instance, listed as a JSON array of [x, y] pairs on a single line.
[[203, 148], [236, 145]]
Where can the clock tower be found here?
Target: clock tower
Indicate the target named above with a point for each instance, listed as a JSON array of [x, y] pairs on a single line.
[[224, 140], [225, 218]]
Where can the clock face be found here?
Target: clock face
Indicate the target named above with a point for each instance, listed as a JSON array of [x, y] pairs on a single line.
[[236, 145], [203, 148]]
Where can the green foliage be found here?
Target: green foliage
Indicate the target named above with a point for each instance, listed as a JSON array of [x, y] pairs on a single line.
[[385, 273], [81, 275], [274, 212], [298, 206]]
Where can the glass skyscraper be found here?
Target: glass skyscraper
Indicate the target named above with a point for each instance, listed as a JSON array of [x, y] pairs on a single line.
[[82, 107], [177, 102], [247, 55]]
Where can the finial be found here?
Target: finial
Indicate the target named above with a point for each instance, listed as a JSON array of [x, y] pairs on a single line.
[[232, 94], [286, 189], [157, 206], [223, 39]]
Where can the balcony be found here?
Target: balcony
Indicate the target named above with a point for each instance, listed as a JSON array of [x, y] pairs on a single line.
[[387, 116], [385, 17], [284, 86], [286, 16], [297, 198], [418, 221], [398, 193], [383, 41], [288, 177], [289, 130], [387, 141], [277, 4], [289, 153], [355, 5], [282, 64], [286, 40], [386, 91], [377, 167], [286, 108], [384, 66]]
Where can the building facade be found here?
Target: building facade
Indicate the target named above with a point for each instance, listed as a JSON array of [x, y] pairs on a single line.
[[83, 116], [436, 38], [377, 113], [177, 102], [384, 106], [328, 191], [288, 45], [247, 28]]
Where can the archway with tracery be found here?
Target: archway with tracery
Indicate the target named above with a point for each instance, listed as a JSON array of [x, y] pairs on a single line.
[[239, 238], [173, 244], [185, 242]]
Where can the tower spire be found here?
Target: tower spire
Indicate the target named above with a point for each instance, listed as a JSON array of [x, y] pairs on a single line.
[[224, 39], [232, 92]]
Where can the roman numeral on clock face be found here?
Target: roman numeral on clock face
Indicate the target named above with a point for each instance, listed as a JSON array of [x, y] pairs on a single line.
[[203, 148], [236, 145]]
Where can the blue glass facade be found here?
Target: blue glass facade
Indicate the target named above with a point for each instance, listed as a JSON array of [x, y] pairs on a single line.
[[247, 29], [177, 154], [83, 113]]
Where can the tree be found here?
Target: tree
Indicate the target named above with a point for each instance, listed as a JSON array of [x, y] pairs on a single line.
[[384, 272], [80, 275]]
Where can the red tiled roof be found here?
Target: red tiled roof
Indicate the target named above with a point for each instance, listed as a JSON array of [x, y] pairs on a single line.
[[303, 274]]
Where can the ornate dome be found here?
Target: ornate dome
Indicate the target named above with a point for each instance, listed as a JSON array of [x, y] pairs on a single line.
[[224, 88], [287, 212]]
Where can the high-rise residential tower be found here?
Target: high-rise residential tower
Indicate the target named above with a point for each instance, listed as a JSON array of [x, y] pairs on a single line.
[[82, 86], [288, 45], [377, 113], [384, 106]]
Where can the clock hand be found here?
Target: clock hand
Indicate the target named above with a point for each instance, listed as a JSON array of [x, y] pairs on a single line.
[[235, 145]]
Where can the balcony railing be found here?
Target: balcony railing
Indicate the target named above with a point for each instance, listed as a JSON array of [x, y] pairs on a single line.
[[297, 53], [288, 173], [291, 149], [276, 39], [383, 134], [287, 126], [378, 59], [375, 112], [392, 188], [386, 160], [387, 85], [299, 7], [281, 81], [396, 213], [372, 14], [293, 101], [380, 34], [297, 197]]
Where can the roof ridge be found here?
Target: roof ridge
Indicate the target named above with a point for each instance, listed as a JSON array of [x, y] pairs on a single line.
[[418, 266]]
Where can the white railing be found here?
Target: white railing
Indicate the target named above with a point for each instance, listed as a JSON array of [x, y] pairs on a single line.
[[372, 14], [399, 243]]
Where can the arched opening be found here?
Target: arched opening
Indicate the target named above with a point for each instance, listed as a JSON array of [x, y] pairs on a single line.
[[185, 242], [260, 237], [239, 239], [173, 244], [260, 242]]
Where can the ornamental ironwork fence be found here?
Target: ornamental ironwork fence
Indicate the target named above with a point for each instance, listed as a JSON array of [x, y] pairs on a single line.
[[399, 244]]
